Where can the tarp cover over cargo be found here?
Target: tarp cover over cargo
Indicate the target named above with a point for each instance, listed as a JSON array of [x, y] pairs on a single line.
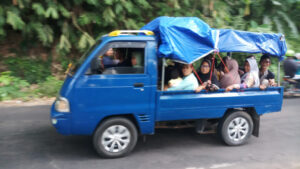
[[187, 39]]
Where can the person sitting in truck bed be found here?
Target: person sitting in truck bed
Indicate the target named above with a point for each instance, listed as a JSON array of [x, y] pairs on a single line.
[[175, 78], [266, 77], [210, 58], [221, 68], [230, 75], [189, 81], [250, 78], [208, 78]]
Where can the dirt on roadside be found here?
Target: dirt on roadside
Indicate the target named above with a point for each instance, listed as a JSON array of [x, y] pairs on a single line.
[[34, 102]]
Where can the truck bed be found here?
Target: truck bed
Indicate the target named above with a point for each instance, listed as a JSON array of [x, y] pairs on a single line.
[[180, 105]]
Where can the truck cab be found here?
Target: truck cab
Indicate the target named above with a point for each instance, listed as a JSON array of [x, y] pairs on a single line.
[[118, 100]]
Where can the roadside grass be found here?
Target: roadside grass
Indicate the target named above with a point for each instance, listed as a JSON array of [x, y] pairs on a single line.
[[12, 87]]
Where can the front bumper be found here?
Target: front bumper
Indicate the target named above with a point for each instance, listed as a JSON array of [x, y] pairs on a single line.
[[61, 121]]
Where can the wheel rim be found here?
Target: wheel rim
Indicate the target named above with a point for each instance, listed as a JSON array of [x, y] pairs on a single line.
[[238, 129], [115, 138]]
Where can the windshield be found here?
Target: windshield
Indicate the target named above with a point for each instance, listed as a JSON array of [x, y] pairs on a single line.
[[75, 66]]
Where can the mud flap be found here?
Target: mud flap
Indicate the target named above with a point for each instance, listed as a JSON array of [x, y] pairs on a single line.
[[256, 121]]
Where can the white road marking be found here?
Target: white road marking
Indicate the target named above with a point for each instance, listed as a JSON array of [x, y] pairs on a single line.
[[52, 163], [222, 165]]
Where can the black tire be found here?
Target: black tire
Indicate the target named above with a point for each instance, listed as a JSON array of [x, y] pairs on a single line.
[[115, 122], [237, 137]]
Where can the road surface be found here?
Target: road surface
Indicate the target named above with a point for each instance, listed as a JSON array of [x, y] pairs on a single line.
[[28, 141]]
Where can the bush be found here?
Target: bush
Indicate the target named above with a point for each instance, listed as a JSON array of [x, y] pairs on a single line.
[[32, 70], [12, 87], [50, 87]]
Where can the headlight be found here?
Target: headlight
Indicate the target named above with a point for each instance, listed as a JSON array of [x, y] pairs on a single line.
[[54, 121], [62, 105]]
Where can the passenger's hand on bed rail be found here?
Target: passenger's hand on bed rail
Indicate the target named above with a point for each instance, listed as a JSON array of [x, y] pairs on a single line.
[[231, 87]]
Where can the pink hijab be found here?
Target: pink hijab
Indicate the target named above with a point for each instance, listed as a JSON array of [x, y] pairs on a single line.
[[232, 77]]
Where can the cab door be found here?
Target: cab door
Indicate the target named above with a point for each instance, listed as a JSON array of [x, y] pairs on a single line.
[[119, 90]]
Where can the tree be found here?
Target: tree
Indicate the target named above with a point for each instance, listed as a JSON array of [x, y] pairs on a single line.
[[75, 24]]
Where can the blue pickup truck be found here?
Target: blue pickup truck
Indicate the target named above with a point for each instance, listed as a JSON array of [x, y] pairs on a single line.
[[118, 102]]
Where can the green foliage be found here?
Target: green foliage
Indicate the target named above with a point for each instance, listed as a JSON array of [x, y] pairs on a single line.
[[45, 33], [50, 87], [2, 22], [33, 71], [14, 20], [71, 27], [64, 12], [85, 41], [39, 9], [51, 12], [64, 43], [12, 87], [45, 20]]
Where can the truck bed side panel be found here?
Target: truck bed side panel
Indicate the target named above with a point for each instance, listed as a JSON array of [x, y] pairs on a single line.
[[181, 105]]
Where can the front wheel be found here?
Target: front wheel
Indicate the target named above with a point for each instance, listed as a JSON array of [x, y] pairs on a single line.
[[115, 137], [235, 128]]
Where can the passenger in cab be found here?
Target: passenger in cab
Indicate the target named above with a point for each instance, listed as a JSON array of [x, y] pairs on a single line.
[[208, 78], [189, 81], [266, 77], [230, 75], [108, 59], [119, 56], [136, 59], [250, 78]]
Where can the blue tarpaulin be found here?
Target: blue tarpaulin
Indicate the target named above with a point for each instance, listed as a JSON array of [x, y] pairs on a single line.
[[187, 39]]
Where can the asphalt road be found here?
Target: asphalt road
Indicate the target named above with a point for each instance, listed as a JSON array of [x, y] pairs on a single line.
[[28, 141]]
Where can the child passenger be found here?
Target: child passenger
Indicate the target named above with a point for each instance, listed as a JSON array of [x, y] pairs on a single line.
[[204, 74], [189, 81], [175, 78], [250, 78]]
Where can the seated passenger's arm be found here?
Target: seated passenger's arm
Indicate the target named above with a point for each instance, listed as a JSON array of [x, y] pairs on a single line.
[[239, 86], [234, 86], [250, 81], [184, 84], [272, 82], [199, 88], [203, 86]]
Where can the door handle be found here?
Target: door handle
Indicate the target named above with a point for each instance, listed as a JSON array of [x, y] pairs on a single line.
[[138, 85]]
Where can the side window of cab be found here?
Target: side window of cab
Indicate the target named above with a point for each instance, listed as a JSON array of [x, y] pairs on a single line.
[[119, 58]]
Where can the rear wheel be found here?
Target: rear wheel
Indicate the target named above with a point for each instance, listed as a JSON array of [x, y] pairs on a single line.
[[115, 137], [235, 128]]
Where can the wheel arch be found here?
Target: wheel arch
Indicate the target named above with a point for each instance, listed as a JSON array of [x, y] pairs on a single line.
[[127, 116]]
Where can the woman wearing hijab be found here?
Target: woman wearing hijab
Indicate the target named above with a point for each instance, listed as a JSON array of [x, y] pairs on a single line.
[[230, 75], [221, 68], [209, 83], [250, 78]]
